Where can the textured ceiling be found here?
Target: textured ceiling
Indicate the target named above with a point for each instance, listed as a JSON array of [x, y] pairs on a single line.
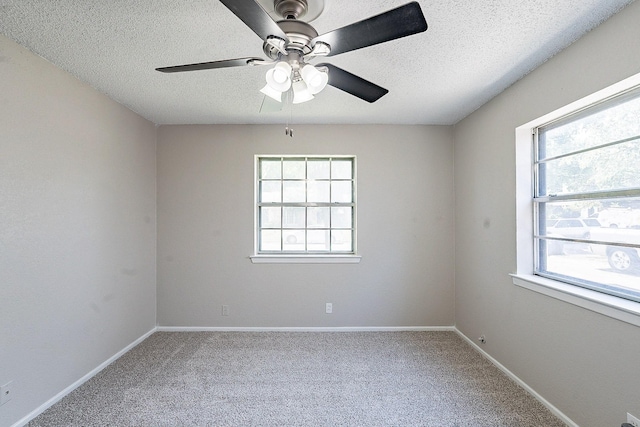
[[472, 51]]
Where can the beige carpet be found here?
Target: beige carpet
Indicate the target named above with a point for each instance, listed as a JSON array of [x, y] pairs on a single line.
[[300, 379]]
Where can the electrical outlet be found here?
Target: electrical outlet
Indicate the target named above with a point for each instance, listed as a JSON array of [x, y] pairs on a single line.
[[635, 422], [6, 392], [329, 308], [225, 310]]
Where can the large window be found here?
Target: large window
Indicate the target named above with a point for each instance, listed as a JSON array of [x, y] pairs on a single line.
[[305, 205], [586, 201]]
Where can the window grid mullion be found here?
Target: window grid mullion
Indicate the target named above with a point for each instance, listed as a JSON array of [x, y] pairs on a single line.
[[331, 180], [306, 208], [281, 203]]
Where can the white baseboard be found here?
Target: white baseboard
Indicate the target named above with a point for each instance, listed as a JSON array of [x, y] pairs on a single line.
[[46, 405], [518, 381], [306, 329]]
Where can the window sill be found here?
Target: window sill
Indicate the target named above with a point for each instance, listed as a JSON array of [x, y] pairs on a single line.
[[305, 259], [614, 307]]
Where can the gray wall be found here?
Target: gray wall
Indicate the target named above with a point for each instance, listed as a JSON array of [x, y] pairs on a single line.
[[77, 229], [206, 217], [584, 363]]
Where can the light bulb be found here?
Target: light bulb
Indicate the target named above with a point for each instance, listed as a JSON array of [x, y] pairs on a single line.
[[279, 75]]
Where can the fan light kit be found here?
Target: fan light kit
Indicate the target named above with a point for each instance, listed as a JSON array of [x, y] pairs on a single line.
[[305, 81], [291, 44]]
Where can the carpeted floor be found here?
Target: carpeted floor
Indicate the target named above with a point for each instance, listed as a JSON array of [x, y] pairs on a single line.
[[300, 379]]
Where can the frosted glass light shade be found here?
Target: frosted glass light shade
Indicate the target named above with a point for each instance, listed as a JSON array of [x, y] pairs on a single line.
[[281, 72], [301, 93], [279, 77], [272, 93], [315, 80]]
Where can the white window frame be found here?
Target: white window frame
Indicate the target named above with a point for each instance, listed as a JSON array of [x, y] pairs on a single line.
[[308, 257], [608, 305]]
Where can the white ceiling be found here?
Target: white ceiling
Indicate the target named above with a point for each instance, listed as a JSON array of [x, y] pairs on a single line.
[[472, 51]]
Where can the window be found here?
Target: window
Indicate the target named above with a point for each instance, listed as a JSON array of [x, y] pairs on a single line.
[[578, 202], [587, 197], [305, 205]]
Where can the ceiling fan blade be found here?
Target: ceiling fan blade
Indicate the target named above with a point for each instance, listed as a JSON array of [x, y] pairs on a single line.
[[354, 85], [208, 65], [396, 23], [255, 17]]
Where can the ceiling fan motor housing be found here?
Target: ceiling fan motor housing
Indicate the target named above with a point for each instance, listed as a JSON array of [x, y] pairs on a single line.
[[300, 35]]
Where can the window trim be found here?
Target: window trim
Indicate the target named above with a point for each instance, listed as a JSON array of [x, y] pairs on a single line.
[[304, 259], [309, 257], [618, 308]]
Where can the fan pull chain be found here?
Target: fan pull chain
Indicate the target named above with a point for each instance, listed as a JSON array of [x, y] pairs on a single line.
[[288, 130]]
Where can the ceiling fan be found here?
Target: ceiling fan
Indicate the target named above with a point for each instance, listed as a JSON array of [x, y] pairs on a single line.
[[291, 44]]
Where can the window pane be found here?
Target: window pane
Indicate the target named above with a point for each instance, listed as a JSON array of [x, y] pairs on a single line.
[[270, 169], [318, 217], [293, 217], [567, 219], [293, 169], [601, 124], [341, 192], [293, 191], [270, 217], [610, 168], [582, 218], [341, 217], [596, 266], [270, 240], [294, 240], [270, 192], [318, 240], [318, 191], [341, 240], [341, 169], [621, 213], [318, 169]]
